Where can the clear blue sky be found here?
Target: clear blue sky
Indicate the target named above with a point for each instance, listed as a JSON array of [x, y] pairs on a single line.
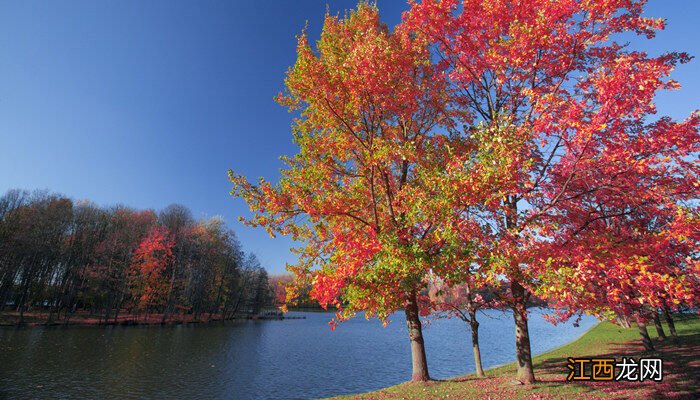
[[148, 103]]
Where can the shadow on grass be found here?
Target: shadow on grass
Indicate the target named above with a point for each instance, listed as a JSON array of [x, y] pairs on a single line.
[[681, 371]]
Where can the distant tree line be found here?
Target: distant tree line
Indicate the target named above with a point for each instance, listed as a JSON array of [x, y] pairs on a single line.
[[63, 257], [302, 300]]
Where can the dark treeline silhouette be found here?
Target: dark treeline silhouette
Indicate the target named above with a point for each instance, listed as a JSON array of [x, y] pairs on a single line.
[[61, 259]]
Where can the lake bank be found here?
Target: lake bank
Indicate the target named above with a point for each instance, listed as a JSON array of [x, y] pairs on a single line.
[[680, 366], [41, 319]]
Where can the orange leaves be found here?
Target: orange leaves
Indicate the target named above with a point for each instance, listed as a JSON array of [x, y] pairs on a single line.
[[148, 266], [484, 133], [356, 192]]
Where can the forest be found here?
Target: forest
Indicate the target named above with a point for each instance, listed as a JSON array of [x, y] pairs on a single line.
[[63, 259]]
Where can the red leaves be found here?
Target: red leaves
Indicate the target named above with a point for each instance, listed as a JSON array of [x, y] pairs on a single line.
[[148, 267], [354, 194], [558, 180], [585, 184], [627, 266], [279, 283]]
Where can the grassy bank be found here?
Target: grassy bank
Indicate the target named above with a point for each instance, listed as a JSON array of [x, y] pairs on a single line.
[[681, 368]]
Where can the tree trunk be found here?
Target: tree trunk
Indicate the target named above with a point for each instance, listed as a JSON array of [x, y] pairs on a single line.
[[646, 340], [669, 322], [23, 300], [525, 371], [415, 333], [657, 325], [474, 324], [623, 321], [108, 313]]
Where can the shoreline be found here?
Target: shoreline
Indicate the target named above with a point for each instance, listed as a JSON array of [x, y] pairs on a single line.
[[40, 320], [505, 364], [604, 340]]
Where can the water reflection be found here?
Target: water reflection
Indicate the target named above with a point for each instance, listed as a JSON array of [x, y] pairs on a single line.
[[290, 359]]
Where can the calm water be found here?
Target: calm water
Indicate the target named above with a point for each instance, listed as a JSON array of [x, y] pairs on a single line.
[[289, 359]]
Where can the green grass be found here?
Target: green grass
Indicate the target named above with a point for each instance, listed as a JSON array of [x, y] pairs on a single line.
[[681, 367]]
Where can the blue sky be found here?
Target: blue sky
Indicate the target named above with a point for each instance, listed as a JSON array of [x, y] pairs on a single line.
[[150, 103]]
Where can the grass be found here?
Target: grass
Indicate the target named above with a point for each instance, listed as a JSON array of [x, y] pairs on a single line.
[[681, 368]]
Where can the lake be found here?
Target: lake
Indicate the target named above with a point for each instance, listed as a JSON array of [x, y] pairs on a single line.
[[287, 359]]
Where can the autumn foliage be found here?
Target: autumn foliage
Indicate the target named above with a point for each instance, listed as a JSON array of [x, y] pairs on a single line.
[[148, 267], [565, 149], [510, 145], [74, 261], [355, 194]]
